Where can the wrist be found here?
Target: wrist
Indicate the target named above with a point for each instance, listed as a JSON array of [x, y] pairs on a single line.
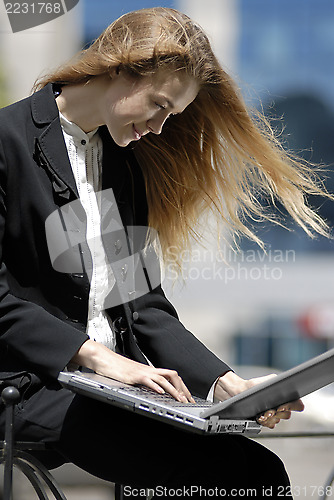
[[229, 385], [87, 355]]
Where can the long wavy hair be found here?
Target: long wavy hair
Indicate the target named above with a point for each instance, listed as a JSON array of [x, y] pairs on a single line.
[[216, 156]]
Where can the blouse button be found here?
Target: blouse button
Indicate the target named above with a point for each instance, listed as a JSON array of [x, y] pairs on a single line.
[[135, 316], [124, 272]]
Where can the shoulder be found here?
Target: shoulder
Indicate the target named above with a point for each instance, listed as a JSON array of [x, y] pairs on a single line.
[[40, 107], [15, 121], [14, 111]]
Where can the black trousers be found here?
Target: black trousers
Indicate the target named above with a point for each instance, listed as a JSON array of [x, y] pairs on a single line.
[[120, 446]]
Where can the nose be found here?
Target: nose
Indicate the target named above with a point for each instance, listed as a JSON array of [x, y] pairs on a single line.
[[156, 124]]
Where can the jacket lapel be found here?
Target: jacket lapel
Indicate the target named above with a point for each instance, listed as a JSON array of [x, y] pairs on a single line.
[[114, 165], [116, 175], [50, 148], [122, 173]]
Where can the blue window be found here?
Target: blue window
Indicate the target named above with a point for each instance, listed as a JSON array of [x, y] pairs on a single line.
[[99, 14]]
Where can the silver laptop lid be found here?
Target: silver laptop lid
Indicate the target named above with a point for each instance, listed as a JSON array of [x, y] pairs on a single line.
[[287, 386]]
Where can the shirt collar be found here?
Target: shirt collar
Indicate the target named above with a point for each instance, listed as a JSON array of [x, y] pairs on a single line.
[[74, 130]]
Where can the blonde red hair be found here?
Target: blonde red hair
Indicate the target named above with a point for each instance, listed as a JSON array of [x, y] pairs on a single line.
[[216, 155]]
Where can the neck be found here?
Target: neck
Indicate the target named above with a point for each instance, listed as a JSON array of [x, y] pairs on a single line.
[[80, 104]]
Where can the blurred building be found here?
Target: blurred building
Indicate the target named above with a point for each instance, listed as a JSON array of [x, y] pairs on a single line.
[[99, 14], [286, 54], [26, 55], [286, 63], [287, 48]]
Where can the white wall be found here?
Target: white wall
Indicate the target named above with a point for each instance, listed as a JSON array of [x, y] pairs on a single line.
[[220, 20], [27, 54]]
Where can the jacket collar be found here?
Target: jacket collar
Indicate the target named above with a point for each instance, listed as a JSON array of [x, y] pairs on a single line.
[[51, 152], [43, 106]]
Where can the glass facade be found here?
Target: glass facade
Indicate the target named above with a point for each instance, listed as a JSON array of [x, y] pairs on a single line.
[[286, 56], [288, 46], [98, 14]]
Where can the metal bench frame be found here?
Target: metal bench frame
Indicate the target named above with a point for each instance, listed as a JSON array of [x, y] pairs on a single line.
[[16, 453]]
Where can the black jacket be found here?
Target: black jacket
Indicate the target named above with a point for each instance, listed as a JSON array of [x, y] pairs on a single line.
[[43, 313]]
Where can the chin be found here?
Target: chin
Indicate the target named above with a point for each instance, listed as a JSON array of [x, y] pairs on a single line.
[[121, 141], [122, 144]]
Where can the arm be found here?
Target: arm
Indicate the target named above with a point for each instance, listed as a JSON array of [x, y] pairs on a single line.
[[105, 362], [166, 342], [33, 338]]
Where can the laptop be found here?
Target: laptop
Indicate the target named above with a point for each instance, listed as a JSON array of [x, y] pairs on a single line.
[[235, 415]]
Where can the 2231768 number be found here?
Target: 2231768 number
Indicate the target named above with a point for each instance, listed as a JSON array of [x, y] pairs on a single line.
[[33, 8], [305, 491]]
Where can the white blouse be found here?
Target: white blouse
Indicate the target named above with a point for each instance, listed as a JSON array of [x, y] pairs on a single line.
[[85, 153]]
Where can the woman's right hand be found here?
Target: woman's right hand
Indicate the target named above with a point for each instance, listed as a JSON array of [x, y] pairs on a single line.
[[105, 362]]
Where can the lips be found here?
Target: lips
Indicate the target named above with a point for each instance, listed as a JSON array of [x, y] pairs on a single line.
[[136, 133]]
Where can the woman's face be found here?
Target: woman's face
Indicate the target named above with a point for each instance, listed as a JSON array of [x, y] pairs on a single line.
[[131, 108]]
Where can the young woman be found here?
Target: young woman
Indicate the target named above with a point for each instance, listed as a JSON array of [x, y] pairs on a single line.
[[148, 114]]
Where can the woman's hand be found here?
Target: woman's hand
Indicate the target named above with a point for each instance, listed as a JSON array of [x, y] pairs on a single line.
[[231, 384], [105, 362]]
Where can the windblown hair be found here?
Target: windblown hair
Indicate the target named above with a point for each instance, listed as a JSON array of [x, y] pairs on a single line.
[[216, 155]]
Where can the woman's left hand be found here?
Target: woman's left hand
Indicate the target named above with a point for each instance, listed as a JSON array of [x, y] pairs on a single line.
[[272, 417], [231, 384]]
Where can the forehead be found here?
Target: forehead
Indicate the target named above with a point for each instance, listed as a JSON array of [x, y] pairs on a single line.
[[176, 86]]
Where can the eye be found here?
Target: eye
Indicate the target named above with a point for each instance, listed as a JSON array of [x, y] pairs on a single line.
[[160, 106]]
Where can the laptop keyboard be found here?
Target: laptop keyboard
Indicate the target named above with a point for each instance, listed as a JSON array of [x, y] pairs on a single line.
[[152, 396]]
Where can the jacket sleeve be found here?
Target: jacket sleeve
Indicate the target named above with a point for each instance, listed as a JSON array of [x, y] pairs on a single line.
[[30, 337], [167, 343]]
